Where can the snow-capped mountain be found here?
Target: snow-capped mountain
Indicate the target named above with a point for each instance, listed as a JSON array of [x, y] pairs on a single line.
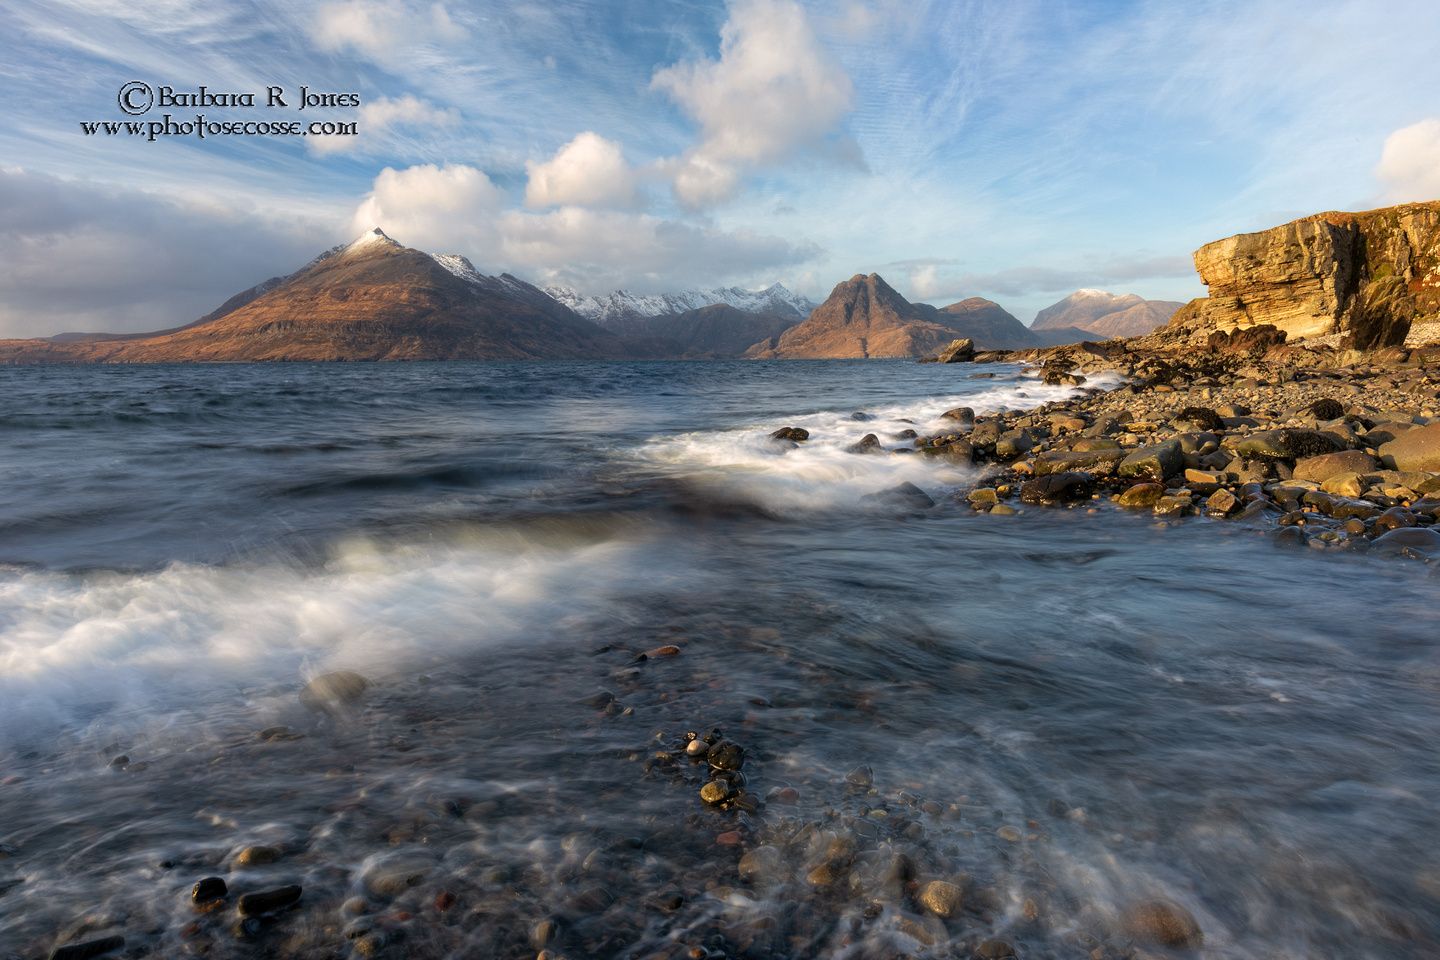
[[623, 312]]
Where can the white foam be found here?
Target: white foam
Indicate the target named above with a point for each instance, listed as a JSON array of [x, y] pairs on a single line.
[[74, 645], [820, 473]]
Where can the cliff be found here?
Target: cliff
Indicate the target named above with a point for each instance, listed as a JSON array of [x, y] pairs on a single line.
[[1366, 277]]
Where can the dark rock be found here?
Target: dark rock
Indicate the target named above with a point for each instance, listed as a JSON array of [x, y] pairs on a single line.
[[1286, 444], [1248, 340], [1421, 542], [904, 495], [995, 950], [1327, 409], [859, 417], [862, 776], [960, 414], [268, 901], [208, 890], [1140, 496], [794, 434], [88, 949], [1203, 417], [1097, 462], [1395, 518], [906, 434], [1057, 488], [866, 444], [1222, 503], [726, 755]]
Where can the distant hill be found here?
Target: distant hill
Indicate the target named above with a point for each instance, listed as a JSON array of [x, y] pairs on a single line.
[[372, 299], [865, 317], [1102, 314]]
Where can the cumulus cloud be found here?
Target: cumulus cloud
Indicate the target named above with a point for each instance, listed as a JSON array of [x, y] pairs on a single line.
[[458, 208], [378, 118], [588, 171], [773, 92], [1410, 163], [383, 30], [433, 207], [78, 256]]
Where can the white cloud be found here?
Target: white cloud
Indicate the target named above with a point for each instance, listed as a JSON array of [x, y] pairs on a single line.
[[458, 208], [1410, 163], [380, 117], [589, 171], [773, 92], [383, 30], [435, 208]]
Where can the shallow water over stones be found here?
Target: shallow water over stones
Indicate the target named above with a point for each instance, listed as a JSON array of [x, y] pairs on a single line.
[[937, 733]]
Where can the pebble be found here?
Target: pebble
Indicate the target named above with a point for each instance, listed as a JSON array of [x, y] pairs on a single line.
[[1008, 833], [88, 949], [940, 897], [208, 890], [1162, 923], [715, 792], [256, 856]]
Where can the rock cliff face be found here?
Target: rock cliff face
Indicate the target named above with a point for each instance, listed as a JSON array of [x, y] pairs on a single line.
[[1365, 276], [865, 317]]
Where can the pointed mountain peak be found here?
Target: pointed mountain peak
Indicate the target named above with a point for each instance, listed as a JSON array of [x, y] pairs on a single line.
[[371, 237]]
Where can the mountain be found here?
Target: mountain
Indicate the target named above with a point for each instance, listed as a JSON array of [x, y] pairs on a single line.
[[718, 330], [372, 299], [865, 317], [628, 314], [1103, 314]]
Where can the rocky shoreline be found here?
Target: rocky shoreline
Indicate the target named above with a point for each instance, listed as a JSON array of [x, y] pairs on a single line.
[[1335, 450]]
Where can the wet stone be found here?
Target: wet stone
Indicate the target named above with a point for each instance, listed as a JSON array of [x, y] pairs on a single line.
[[330, 691], [726, 755], [256, 856], [268, 901], [208, 890], [941, 898], [793, 434], [1162, 923], [88, 949], [715, 792]]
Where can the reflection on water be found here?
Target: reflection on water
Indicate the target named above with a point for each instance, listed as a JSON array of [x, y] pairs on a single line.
[[1062, 715]]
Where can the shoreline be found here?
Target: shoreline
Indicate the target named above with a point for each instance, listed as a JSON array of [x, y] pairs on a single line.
[[1334, 451]]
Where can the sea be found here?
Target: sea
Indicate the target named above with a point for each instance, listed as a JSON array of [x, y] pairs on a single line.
[[553, 576]]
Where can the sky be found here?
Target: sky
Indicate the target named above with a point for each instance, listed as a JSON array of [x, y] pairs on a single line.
[[1011, 150]]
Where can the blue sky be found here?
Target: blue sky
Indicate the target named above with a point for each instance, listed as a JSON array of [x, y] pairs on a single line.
[[1009, 150]]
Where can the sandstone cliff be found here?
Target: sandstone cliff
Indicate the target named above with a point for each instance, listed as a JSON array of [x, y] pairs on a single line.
[[1366, 277]]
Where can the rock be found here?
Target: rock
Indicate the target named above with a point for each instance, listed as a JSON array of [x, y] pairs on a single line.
[[761, 864], [1395, 518], [661, 652], [88, 949], [1202, 417], [208, 890], [904, 495], [861, 777], [726, 755], [1222, 503], [1421, 542], [1172, 506], [1008, 833], [1417, 449], [1141, 496], [959, 414], [257, 855], [1327, 465], [1014, 445], [956, 448], [331, 691], [1154, 463], [1161, 923], [1097, 462], [983, 496], [1326, 409], [959, 351], [1286, 444], [1344, 485], [268, 901], [393, 875], [994, 950], [941, 898], [866, 444], [1057, 488], [715, 792], [793, 434], [543, 932], [697, 748], [1003, 510], [1363, 275]]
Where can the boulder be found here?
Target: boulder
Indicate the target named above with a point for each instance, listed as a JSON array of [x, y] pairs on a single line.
[[961, 414], [1161, 923], [1422, 542], [1141, 496], [1417, 449], [1098, 462], [904, 495], [866, 444], [1286, 444], [1058, 488], [1327, 465], [793, 434], [1154, 463], [959, 351]]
